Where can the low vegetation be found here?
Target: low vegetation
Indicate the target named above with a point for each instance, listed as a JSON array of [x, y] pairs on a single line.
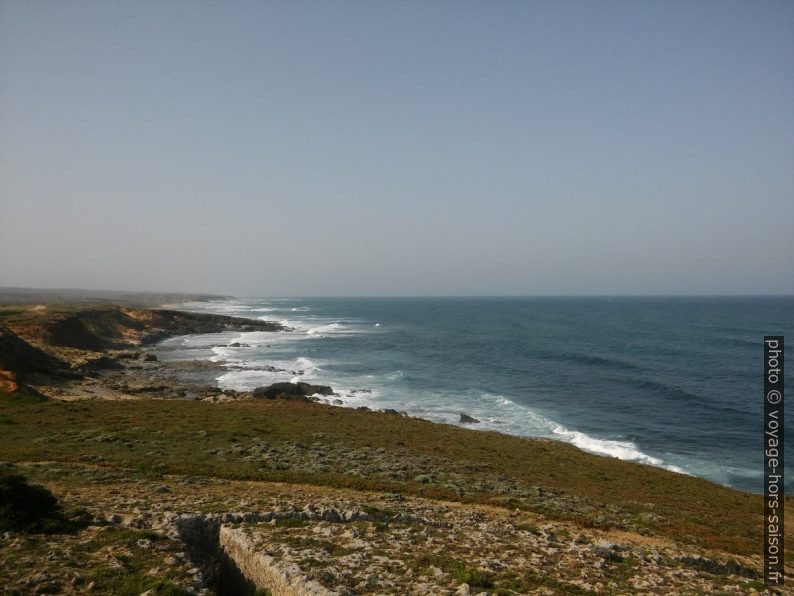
[[155, 438], [30, 508]]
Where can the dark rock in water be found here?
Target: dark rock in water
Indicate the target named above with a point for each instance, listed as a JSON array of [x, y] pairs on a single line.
[[237, 344], [466, 419], [363, 408], [291, 391], [321, 389], [338, 402], [147, 358]]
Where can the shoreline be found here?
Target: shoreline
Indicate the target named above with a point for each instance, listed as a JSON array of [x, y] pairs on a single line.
[[117, 442], [546, 426], [131, 370], [125, 367]]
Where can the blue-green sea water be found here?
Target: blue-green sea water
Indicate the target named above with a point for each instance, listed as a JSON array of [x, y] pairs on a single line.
[[674, 382]]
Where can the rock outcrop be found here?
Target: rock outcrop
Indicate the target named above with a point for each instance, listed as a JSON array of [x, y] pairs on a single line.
[[294, 391], [466, 419], [56, 347], [282, 578], [106, 328], [24, 360]]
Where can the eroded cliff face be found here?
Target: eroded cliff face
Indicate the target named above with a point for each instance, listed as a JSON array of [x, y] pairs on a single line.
[[20, 360], [119, 327], [42, 343]]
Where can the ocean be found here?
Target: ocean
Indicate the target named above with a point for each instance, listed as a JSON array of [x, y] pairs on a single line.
[[674, 382]]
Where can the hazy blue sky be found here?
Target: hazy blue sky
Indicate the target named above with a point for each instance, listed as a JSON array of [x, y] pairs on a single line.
[[372, 147]]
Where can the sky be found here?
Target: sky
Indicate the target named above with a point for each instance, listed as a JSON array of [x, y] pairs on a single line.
[[398, 148]]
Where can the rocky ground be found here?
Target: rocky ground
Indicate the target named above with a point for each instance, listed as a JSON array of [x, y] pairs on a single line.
[[391, 545], [345, 542]]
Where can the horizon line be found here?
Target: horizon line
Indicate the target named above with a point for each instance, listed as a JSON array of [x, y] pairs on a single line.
[[15, 289]]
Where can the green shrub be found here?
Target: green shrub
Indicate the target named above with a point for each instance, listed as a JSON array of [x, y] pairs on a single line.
[[289, 522], [29, 507], [473, 576]]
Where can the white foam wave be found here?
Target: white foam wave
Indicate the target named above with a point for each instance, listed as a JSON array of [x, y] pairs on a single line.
[[222, 354], [214, 306], [496, 412], [245, 380], [294, 325], [326, 329], [354, 397], [620, 449], [626, 450], [306, 366], [257, 338], [249, 375]]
